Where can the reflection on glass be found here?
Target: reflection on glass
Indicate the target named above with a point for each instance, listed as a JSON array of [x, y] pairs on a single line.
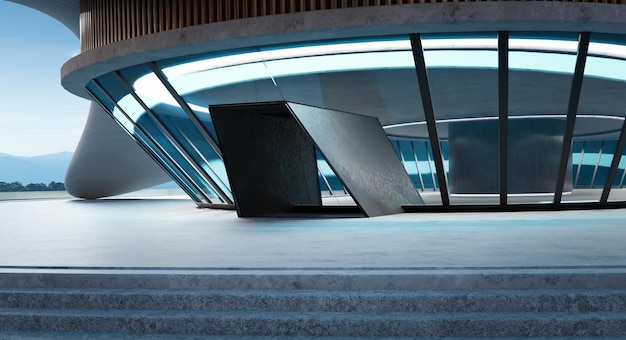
[[190, 142], [464, 84], [417, 160], [330, 184], [147, 143], [618, 190], [186, 133], [539, 86], [595, 137]]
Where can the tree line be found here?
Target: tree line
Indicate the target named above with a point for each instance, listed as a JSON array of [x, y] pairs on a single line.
[[18, 186]]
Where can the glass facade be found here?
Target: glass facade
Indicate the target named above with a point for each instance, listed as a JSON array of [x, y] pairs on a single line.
[[486, 103]]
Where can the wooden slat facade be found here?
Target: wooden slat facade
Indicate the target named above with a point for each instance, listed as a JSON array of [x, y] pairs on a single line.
[[106, 21]]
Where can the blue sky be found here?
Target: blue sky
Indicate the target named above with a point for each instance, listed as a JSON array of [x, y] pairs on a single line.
[[37, 115]]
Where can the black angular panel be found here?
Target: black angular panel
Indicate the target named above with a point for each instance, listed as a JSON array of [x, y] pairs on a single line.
[[270, 160]]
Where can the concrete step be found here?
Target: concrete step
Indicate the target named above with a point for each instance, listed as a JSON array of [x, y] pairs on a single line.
[[96, 305], [346, 279], [539, 300], [15, 335], [360, 324]]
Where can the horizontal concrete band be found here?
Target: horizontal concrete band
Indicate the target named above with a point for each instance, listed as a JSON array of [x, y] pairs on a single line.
[[345, 23], [588, 279], [108, 21]]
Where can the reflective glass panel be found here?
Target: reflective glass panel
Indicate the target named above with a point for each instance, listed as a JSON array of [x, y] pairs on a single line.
[[600, 118], [147, 144], [540, 79], [130, 107], [417, 160], [179, 126], [463, 76], [618, 190]]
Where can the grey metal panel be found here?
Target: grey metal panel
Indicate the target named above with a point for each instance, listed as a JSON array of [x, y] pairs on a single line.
[[358, 150], [269, 159]]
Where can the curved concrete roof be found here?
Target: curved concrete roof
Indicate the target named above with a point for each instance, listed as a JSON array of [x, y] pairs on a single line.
[[65, 11], [345, 23]]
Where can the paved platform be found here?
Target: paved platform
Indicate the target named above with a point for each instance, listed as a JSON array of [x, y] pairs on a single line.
[[172, 234]]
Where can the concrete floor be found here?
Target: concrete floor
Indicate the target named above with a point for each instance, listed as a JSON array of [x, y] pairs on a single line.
[[173, 233]]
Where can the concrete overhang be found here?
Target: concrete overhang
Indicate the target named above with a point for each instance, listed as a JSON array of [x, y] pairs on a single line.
[[344, 23], [66, 12]]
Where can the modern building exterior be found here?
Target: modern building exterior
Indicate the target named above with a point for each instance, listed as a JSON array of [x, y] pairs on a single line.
[[270, 106]]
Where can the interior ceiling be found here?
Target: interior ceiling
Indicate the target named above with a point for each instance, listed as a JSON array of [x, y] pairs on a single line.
[[392, 95], [65, 11]]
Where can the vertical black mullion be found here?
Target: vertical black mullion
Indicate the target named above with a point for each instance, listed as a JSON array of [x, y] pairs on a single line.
[[188, 111], [617, 156], [422, 79], [572, 108], [168, 134], [503, 112]]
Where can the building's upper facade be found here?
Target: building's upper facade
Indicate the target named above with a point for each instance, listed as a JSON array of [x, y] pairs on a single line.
[[500, 105]]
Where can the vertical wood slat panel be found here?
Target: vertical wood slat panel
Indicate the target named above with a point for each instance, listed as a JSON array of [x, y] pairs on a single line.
[[203, 11], [188, 13], [218, 11], [106, 21], [195, 15], [101, 21], [111, 21], [178, 8], [166, 21]]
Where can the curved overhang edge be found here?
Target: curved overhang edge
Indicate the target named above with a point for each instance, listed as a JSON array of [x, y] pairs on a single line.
[[344, 23], [67, 12]]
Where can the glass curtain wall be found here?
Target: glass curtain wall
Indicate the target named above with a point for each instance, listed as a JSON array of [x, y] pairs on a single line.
[[402, 81], [152, 116]]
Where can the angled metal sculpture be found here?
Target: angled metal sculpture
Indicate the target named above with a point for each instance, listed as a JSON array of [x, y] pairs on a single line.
[[269, 152], [270, 161]]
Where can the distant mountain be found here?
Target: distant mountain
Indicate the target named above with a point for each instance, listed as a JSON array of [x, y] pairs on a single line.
[[36, 169]]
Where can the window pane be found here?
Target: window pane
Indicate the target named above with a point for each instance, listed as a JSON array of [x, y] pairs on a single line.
[[463, 75], [600, 118], [540, 76]]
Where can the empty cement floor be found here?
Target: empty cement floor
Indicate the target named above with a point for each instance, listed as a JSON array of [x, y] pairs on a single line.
[[159, 234]]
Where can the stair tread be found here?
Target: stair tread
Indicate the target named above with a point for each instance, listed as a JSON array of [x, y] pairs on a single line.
[[280, 292], [335, 301], [315, 323], [23, 335], [133, 313]]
